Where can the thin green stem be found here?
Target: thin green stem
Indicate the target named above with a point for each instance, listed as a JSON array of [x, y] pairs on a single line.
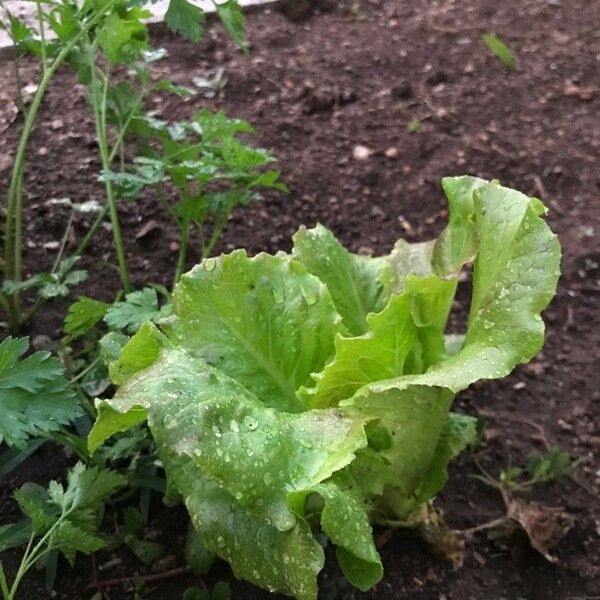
[[99, 105], [29, 544], [49, 533], [35, 557], [85, 371], [91, 232], [40, 20], [63, 243], [214, 238], [183, 249], [86, 403], [118, 146], [20, 572], [31, 557]]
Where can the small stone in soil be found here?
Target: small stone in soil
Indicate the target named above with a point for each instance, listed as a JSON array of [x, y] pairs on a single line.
[[360, 152], [535, 369], [53, 245], [6, 162]]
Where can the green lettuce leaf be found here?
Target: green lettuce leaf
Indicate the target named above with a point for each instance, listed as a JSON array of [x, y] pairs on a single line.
[[264, 321], [458, 432], [250, 455], [255, 452], [445, 256], [378, 354], [514, 277], [344, 518], [353, 280], [413, 416], [286, 561]]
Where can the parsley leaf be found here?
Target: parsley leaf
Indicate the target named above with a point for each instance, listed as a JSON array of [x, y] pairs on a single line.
[[83, 315], [186, 19], [138, 307], [67, 518], [232, 17], [34, 395]]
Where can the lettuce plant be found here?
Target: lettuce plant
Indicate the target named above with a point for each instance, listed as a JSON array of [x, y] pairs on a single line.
[[312, 390]]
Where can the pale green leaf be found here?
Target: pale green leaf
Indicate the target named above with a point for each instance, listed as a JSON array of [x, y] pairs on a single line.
[[287, 561], [136, 354], [110, 421], [230, 381], [352, 280], [515, 275], [378, 354], [458, 432], [345, 520], [253, 451], [457, 244], [414, 417], [405, 260]]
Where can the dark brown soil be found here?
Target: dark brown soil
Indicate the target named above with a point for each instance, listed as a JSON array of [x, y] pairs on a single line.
[[359, 75]]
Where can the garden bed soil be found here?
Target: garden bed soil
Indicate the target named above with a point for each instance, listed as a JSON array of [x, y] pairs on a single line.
[[412, 83]]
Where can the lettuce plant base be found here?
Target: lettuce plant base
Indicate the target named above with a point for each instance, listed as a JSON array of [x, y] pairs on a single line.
[[330, 186]]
